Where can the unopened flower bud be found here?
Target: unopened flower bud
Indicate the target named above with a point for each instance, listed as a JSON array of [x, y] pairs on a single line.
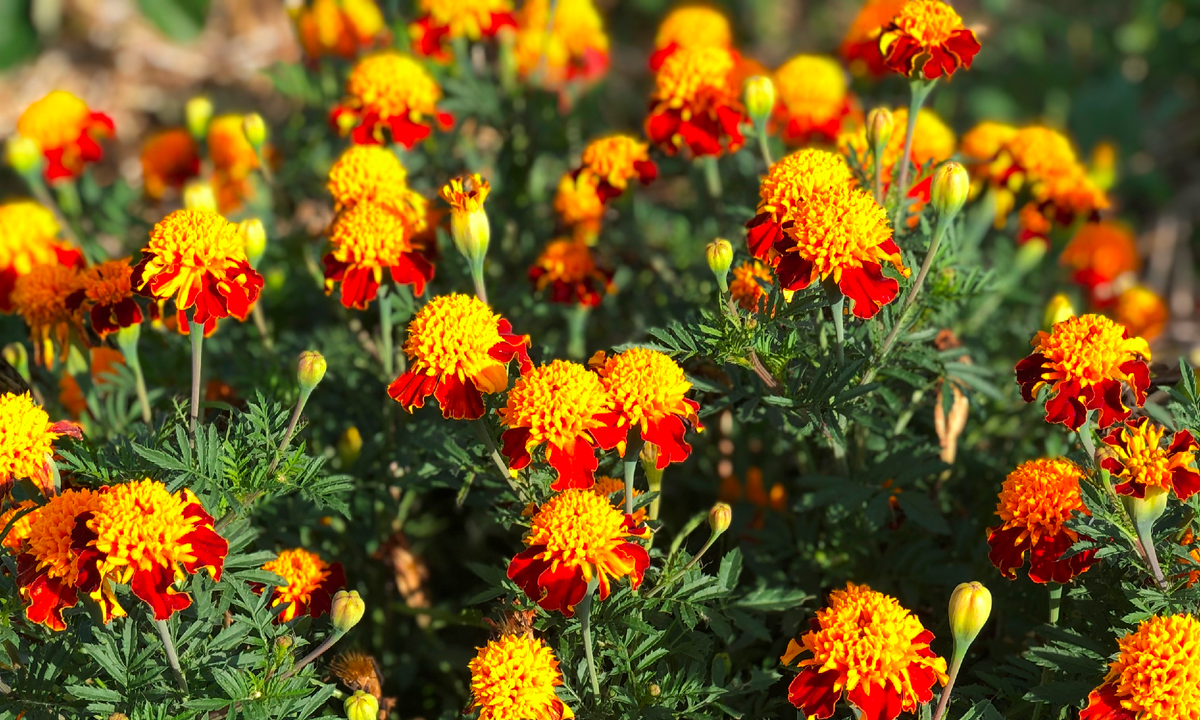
[[655, 690], [255, 129], [719, 254], [198, 111], [1058, 309], [760, 98], [198, 195], [347, 609], [362, 706], [468, 221], [254, 236], [719, 518], [118, 716], [127, 338], [1030, 253], [349, 446], [970, 606], [1145, 511], [880, 124], [311, 370], [22, 154], [950, 188]]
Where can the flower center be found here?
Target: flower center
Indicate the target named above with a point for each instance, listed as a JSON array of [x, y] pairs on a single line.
[[1146, 461], [371, 235], [366, 172], [1158, 671], [452, 334], [646, 385], [840, 228], [140, 525], [577, 527], [54, 121], [193, 243], [1089, 349], [557, 402], [690, 75], [1040, 496], [793, 179], [929, 22], [514, 677], [394, 85]]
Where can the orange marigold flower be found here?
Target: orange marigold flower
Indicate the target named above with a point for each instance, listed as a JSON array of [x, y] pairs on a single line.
[[814, 99], [233, 159], [574, 536], [40, 298], [696, 103], [47, 569], [575, 49], [367, 239], [568, 268], [860, 48], [1156, 676], [1036, 500], [578, 203], [199, 258], [1085, 360], [607, 486], [747, 285], [927, 39], [311, 583], [17, 534], [66, 132], [28, 238], [141, 534], [690, 26], [169, 159], [457, 349], [26, 442], [514, 676], [1141, 463], [866, 646], [107, 295], [565, 406], [389, 90], [1099, 253], [984, 141], [340, 27], [785, 190], [617, 159], [648, 388], [439, 21], [1142, 311]]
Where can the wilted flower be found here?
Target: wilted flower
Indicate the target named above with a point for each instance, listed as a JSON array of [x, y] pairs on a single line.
[[311, 584], [514, 676], [40, 297], [568, 268], [169, 159], [47, 568], [696, 103], [28, 238], [814, 99], [1156, 676], [340, 27], [389, 90], [107, 296], [688, 27], [1139, 462], [66, 131], [440, 21], [927, 39]]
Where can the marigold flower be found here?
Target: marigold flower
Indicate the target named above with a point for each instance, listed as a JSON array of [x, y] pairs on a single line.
[[1036, 500], [374, 173], [311, 583], [617, 159], [866, 646], [814, 99], [198, 257], [368, 239], [984, 141], [28, 238], [1099, 253], [860, 48], [747, 286], [107, 295], [927, 39], [647, 389], [457, 349], [169, 159], [568, 268], [1140, 462], [573, 536], [607, 487], [469, 226], [696, 103], [1156, 676], [575, 49], [233, 159], [1142, 311], [1085, 360], [47, 568], [439, 21], [389, 90], [565, 406], [19, 532], [579, 204], [66, 131], [40, 298], [688, 27], [340, 27], [784, 191], [514, 676], [139, 533]]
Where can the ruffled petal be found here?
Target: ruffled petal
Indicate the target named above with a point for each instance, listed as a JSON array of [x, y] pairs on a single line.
[[814, 693], [459, 400], [576, 465]]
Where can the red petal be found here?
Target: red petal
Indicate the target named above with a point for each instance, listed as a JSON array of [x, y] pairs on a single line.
[[659, 56], [762, 233], [321, 599], [869, 289], [1105, 397], [459, 400], [612, 433], [406, 132], [1007, 552], [513, 447], [154, 587], [668, 434], [647, 171], [411, 389], [793, 271], [876, 703], [636, 553], [1103, 704], [1186, 482], [1029, 375], [1139, 379], [813, 692], [413, 269], [1046, 563], [1065, 407], [576, 466]]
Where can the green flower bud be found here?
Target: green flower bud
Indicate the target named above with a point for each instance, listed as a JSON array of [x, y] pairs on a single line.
[[951, 184], [198, 195], [760, 98], [255, 129], [970, 606], [1058, 309], [347, 609], [22, 154], [362, 706], [1030, 253], [198, 111], [719, 254], [349, 446], [880, 124], [254, 236], [719, 518], [311, 370]]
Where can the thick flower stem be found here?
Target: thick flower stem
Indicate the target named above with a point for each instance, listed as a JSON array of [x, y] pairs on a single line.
[[654, 482], [577, 318], [920, 90], [386, 354], [764, 144], [291, 429], [260, 322], [877, 153], [585, 625], [837, 309], [172, 657], [41, 193], [196, 333], [631, 462], [129, 350], [944, 702], [712, 175], [480, 286], [1047, 673], [318, 652]]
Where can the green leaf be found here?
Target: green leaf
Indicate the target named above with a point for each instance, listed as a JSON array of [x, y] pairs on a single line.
[[731, 569], [982, 710], [18, 39], [180, 20], [922, 511]]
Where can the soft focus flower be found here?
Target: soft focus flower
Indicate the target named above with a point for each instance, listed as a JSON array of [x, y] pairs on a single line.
[[1085, 360], [866, 646], [933, 142], [169, 159], [198, 258], [107, 296], [1139, 462], [564, 406], [814, 98], [66, 131], [389, 90], [983, 142], [1099, 253], [607, 487], [785, 190], [514, 676], [617, 159], [1103, 166], [197, 113], [311, 583], [747, 286], [860, 48], [340, 27], [1156, 676], [574, 536], [1036, 500], [138, 533], [567, 267], [927, 39], [457, 349], [40, 298], [575, 49], [688, 27], [22, 154], [1142, 311], [19, 532], [469, 225], [233, 159], [47, 568], [368, 239], [1057, 310], [647, 389], [696, 103], [579, 205], [440, 21], [28, 238]]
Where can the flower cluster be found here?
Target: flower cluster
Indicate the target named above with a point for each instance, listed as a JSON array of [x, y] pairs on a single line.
[[695, 103], [932, 143], [389, 91]]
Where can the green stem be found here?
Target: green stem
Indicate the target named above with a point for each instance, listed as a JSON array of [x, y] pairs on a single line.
[[260, 322], [481, 429], [877, 152], [712, 175], [955, 665], [666, 582], [1047, 673], [386, 354], [837, 309], [480, 285], [196, 334], [41, 193], [911, 296], [291, 429], [920, 90], [631, 462], [164, 632], [577, 318], [328, 643], [1085, 438], [585, 624], [135, 365], [764, 145], [654, 482]]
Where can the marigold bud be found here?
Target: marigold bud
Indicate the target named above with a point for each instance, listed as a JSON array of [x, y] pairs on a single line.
[[950, 187], [22, 154], [347, 609], [719, 254], [255, 129], [760, 98], [880, 124], [1058, 309], [970, 606], [1030, 253], [362, 706], [198, 111], [719, 518], [349, 446], [311, 370], [254, 236], [198, 195], [1145, 511], [468, 220]]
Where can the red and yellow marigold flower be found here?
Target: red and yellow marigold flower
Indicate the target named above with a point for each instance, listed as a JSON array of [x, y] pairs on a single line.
[[233, 159], [457, 349], [1139, 462], [141, 534], [866, 648], [1036, 500], [579, 205], [21, 516], [574, 536], [746, 288], [311, 583], [814, 99], [198, 258], [690, 26], [564, 406], [440, 21], [575, 49], [393, 91], [927, 39], [66, 131], [1142, 311], [860, 48], [107, 296], [568, 268], [340, 27], [615, 160], [1085, 360], [784, 192], [647, 389], [40, 298], [28, 238], [1156, 676], [368, 239], [169, 159], [1099, 253], [48, 568], [696, 103], [374, 173], [27, 442], [514, 676]]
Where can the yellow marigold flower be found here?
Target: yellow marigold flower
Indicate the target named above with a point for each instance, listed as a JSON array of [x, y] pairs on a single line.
[[690, 26], [169, 159], [1085, 360], [26, 443], [20, 528], [439, 21], [648, 390], [389, 90], [373, 172], [746, 288], [867, 646], [617, 159], [369, 238], [814, 98], [607, 486], [984, 141], [696, 103], [574, 536], [576, 48], [1142, 312], [926, 39], [28, 238], [66, 131], [783, 193], [340, 27], [513, 677], [578, 203], [1156, 676], [233, 159], [48, 566], [40, 298], [311, 583], [568, 268]]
